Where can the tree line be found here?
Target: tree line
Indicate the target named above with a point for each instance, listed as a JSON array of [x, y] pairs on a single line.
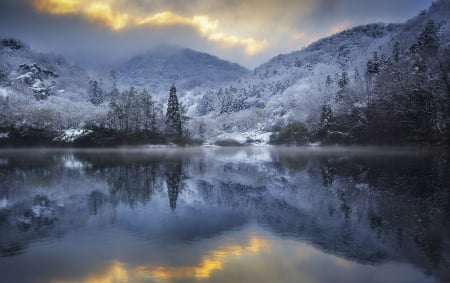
[[131, 111], [406, 96]]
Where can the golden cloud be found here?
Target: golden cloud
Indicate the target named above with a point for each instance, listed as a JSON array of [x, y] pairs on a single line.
[[339, 27], [105, 12], [212, 261], [58, 6]]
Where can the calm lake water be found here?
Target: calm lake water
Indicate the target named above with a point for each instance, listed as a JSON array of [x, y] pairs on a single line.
[[225, 215]]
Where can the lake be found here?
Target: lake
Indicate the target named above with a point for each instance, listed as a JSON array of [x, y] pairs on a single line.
[[256, 214]]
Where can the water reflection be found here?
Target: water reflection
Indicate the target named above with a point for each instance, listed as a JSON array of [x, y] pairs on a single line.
[[174, 181], [211, 261], [229, 215]]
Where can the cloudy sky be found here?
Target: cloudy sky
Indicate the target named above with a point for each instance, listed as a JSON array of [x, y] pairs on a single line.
[[101, 32]]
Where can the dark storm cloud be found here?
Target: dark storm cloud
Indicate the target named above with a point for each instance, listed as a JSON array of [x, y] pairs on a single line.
[[247, 31]]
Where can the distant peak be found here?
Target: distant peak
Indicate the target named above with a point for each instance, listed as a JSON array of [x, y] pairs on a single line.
[[163, 50]]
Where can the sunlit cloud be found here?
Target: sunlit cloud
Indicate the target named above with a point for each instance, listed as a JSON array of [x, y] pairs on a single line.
[[311, 38], [339, 27], [298, 36], [105, 12], [212, 261], [342, 262], [58, 6]]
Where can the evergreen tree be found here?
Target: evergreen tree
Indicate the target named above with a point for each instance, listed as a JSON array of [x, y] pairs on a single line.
[[147, 105], [427, 44], [373, 65], [96, 93], [5, 111], [206, 103], [342, 84], [343, 80], [114, 92], [174, 181], [396, 52], [325, 121], [173, 117], [429, 38], [202, 129]]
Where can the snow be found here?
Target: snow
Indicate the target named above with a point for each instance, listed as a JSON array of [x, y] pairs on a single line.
[[4, 92], [26, 76], [38, 86], [362, 186], [158, 68], [42, 211], [72, 163], [360, 104], [288, 88], [256, 138], [4, 135], [71, 135]]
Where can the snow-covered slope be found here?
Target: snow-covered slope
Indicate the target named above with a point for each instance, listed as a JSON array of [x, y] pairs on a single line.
[[293, 87], [42, 90], [159, 68], [224, 100], [43, 74]]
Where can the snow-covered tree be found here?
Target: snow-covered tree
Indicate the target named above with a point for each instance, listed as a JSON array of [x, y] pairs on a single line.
[[96, 93], [374, 65], [5, 111], [207, 103], [428, 41], [173, 117], [396, 52], [342, 83], [326, 117]]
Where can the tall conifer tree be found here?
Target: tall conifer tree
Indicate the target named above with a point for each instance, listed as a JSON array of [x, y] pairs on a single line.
[[173, 117]]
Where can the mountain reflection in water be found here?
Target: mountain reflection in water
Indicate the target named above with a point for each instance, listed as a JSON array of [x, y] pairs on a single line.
[[224, 215]]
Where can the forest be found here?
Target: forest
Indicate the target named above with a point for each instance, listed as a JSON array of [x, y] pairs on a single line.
[[396, 95]]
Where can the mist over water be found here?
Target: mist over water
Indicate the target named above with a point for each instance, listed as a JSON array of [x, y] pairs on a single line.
[[225, 215]]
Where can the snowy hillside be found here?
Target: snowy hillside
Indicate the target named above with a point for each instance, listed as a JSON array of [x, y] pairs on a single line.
[[42, 74], [159, 68], [294, 87], [41, 90], [339, 89]]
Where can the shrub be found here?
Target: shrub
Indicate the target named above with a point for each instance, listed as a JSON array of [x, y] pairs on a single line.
[[227, 142], [293, 134]]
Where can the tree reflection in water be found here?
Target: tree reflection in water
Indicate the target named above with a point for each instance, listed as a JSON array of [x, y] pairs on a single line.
[[367, 207], [174, 181]]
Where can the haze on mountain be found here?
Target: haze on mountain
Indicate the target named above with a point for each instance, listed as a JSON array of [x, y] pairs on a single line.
[[162, 66]]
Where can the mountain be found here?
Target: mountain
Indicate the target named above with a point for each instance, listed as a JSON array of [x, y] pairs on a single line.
[[161, 67], [40, 74], [41, 90], [376, 82], [294, 87]]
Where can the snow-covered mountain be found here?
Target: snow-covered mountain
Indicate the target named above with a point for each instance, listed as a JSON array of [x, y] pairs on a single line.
[[41, 90], [42, 74], [157, 69], [293, 87], [225, 100]]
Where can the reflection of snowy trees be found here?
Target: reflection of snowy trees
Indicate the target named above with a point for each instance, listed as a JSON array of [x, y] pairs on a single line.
[[363, 208], [175, 176]]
